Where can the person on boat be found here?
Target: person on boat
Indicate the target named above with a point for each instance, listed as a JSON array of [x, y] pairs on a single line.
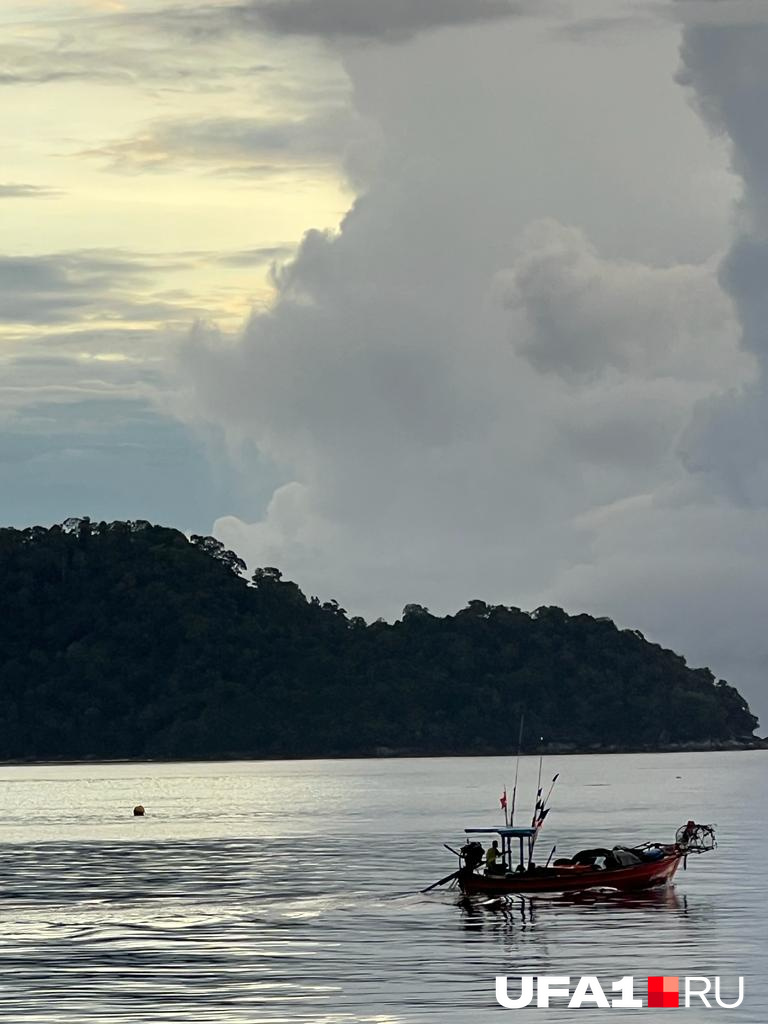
[[493, 858]]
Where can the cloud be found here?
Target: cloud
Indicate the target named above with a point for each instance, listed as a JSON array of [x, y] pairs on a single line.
[[98, 284], [45, 76], [452, 395], [204, 49], [594, 29], [390, 22], [723, 13], [278, 142], [20, 191], [50, 289], [464, 399], [724, 66], [574, 308], [255, 257], [701, 542]]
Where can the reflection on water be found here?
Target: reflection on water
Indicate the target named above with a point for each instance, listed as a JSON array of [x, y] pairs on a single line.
[[525, 908], [289, 891]]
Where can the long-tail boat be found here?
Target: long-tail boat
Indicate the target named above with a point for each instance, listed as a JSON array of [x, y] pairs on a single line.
[[622, 868], [510, 868]]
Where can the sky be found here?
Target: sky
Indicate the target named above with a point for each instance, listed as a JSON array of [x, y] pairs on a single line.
[[419, 301]]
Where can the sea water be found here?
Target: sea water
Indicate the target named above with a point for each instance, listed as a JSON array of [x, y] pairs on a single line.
[[289, 891]]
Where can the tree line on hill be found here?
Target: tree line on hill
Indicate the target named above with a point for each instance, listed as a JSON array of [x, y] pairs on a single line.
[[129, 640]]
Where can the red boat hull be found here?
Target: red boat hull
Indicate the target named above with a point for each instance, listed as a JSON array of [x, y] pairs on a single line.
[[638, 876]]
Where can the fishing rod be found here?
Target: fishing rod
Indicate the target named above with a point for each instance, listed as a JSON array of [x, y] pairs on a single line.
[[537, 805], [541, 810], [536, 814], [545, 801]]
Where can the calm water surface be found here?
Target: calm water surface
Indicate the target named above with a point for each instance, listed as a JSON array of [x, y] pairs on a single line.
[[287, 891]]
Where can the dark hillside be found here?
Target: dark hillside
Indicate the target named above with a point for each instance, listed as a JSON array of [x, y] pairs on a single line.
[[123, 640]]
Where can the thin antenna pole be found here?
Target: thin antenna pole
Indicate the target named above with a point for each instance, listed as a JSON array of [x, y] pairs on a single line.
[[517, 767]]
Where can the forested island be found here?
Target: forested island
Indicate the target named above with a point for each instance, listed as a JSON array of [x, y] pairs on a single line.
[[128, 640]]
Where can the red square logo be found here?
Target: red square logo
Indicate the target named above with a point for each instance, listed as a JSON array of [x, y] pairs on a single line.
[[663, 991]]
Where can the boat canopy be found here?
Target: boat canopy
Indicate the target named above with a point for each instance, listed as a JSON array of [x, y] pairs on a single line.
[[507, 831]]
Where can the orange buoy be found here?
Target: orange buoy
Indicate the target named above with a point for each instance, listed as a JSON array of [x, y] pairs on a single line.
[[138, 810]]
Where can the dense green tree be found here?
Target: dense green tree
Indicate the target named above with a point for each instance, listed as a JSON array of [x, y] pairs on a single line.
[[129, 640]]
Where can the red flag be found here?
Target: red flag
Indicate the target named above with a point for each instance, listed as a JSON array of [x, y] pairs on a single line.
[[503, 799]]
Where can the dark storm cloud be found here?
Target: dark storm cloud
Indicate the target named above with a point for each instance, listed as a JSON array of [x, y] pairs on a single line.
[[388, 21], [744, 274], [726, 67]]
